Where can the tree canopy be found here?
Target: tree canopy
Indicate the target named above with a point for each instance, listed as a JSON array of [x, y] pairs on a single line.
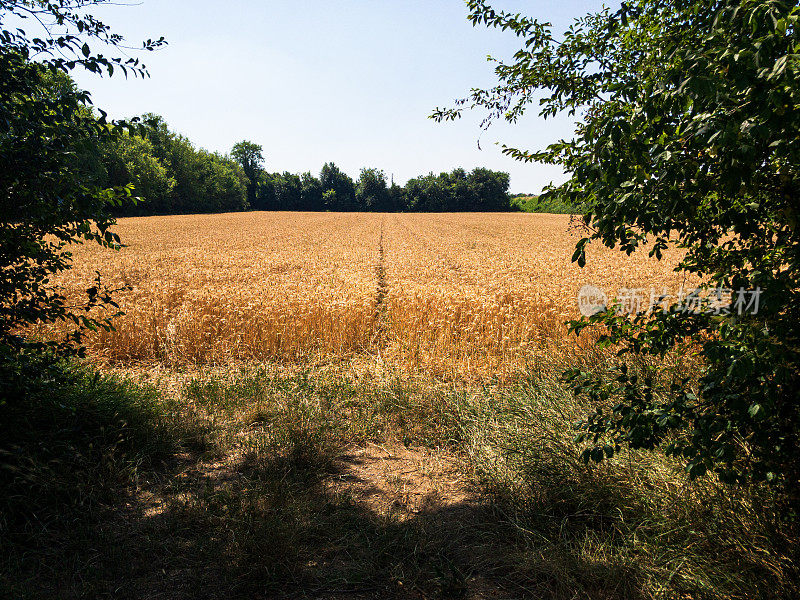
[[251, 158], [170, 175], [50, 198]]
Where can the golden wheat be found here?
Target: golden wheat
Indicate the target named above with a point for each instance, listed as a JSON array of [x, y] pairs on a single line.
[[459, 294]]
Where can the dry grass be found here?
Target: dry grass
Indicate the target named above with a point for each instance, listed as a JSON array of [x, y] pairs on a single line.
[[329, 483], [452, 295]]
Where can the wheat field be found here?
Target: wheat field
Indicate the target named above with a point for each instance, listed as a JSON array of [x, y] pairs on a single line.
[[453, 295]]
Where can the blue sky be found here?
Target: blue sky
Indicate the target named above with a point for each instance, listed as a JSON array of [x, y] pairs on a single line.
[[349, 81]]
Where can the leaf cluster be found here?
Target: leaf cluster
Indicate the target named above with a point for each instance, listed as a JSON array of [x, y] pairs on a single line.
[[49, 133]]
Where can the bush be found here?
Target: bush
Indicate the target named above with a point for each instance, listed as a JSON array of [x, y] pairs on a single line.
[[71, 439]]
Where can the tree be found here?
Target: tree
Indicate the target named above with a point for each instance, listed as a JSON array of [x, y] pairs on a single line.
[[333, 179], [688, 134], [203, 181], [129, 159], [329, 201], [459, 193], [480, 190], [288, 191], [223, 184], [372, 192], [251, 158], [180, 159], [490, 190], [265, 192], [49, 199], [397, 198], [425, 194], [310, 192]]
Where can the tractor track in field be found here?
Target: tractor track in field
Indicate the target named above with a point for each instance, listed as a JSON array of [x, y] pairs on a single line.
[[381, 291]]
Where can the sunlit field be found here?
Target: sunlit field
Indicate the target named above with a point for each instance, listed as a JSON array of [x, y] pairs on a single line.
[[451, 295]]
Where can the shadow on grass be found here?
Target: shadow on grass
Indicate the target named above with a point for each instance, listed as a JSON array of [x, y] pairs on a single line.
[[258, 488], [270, 526]]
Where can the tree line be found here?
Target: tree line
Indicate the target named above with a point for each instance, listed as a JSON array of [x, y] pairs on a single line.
[[171, 176]]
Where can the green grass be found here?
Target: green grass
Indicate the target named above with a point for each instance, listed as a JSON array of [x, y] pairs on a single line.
[[536, 204], [634, 519], [71, 437], [224, 491], [73, 443]]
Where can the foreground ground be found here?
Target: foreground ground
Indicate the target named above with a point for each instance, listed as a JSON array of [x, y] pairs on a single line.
[[354, 406], [333, 483]]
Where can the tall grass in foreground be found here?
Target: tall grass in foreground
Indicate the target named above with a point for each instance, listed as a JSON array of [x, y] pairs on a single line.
[[636, 518], [258, 502], [70, 437]]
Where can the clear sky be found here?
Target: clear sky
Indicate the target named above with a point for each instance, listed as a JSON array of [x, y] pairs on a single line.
[[348, 81]]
